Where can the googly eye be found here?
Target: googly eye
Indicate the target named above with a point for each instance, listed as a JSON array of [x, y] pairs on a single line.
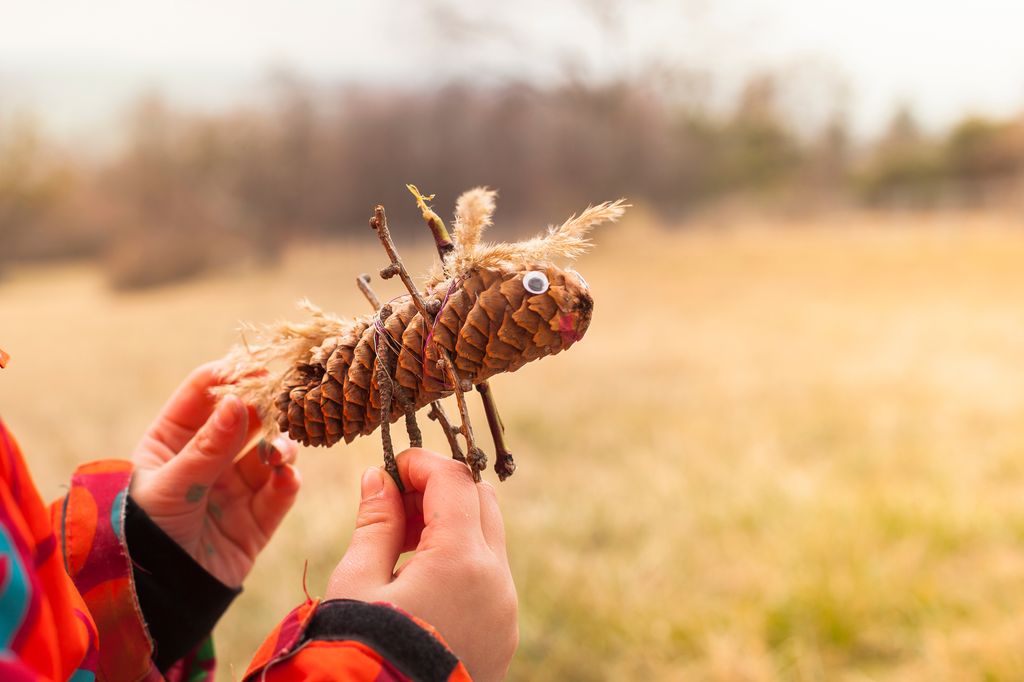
[[535, 282], [582, 281]]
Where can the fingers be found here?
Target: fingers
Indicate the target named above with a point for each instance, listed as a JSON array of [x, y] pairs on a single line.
[[378, 538], [188, 408], [210, 452], [491, 522], [272, 501], [451, 504], [257, 465]]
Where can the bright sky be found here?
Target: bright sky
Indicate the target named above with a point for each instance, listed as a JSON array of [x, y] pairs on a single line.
[[80, 62]]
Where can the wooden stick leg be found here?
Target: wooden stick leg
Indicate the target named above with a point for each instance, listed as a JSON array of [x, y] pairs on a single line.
[[475, 457], [386, 393], [451, 431], [411, 426], [504, 465], [363, 282]]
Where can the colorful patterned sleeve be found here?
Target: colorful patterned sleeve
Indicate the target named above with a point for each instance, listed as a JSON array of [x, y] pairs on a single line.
[[67, 606], [46, 630], [90, 533], [352, 640], [92, 536]]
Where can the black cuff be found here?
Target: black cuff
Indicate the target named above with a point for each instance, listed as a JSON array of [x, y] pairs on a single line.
[[180, 601], [413, 651]]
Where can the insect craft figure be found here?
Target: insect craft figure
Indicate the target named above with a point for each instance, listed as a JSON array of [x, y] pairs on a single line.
[[487, 309]]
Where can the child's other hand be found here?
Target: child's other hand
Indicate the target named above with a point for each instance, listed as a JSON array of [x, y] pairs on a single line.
[[458, 580], [220, 511]]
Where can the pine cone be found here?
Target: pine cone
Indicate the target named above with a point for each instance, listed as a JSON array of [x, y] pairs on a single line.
[[489, 324]]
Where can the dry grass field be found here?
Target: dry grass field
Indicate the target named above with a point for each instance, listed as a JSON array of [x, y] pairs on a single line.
[[782, 452]]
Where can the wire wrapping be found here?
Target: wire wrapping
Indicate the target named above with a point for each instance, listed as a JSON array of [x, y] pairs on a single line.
[[437, 316], [379, 328]]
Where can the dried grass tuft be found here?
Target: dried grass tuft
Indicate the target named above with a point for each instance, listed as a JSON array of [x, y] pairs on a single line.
[[474, 213], [276, 348], [566, 241]]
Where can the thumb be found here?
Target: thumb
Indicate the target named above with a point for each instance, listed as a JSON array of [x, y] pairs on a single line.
[[377, 540], [210, 452]]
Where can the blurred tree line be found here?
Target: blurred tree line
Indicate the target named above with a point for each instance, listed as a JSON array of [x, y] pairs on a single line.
[[186, 191]]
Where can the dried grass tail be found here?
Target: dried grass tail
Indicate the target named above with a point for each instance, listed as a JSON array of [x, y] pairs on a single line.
[[256, 366]]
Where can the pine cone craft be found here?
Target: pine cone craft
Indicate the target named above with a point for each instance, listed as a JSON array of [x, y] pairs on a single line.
[[487, 309]]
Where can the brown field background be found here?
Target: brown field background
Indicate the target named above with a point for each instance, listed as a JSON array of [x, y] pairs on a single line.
[[785, 451]]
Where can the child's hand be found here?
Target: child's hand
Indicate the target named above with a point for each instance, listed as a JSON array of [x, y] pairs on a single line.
[[220, 512], [458, 580]]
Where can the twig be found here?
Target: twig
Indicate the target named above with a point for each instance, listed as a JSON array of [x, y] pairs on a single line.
[[442, 240], [411, 426], [387, 388], [437, 410], [379, 223], [438, 414], [504, 465], [363, 282], [475, 457]]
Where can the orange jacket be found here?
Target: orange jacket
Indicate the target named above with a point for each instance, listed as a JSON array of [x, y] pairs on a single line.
[[68, 608]]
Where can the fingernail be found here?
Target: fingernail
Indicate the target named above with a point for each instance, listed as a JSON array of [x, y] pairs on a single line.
[[372, 484], [265, 451], [228, 413], [269, 453]]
